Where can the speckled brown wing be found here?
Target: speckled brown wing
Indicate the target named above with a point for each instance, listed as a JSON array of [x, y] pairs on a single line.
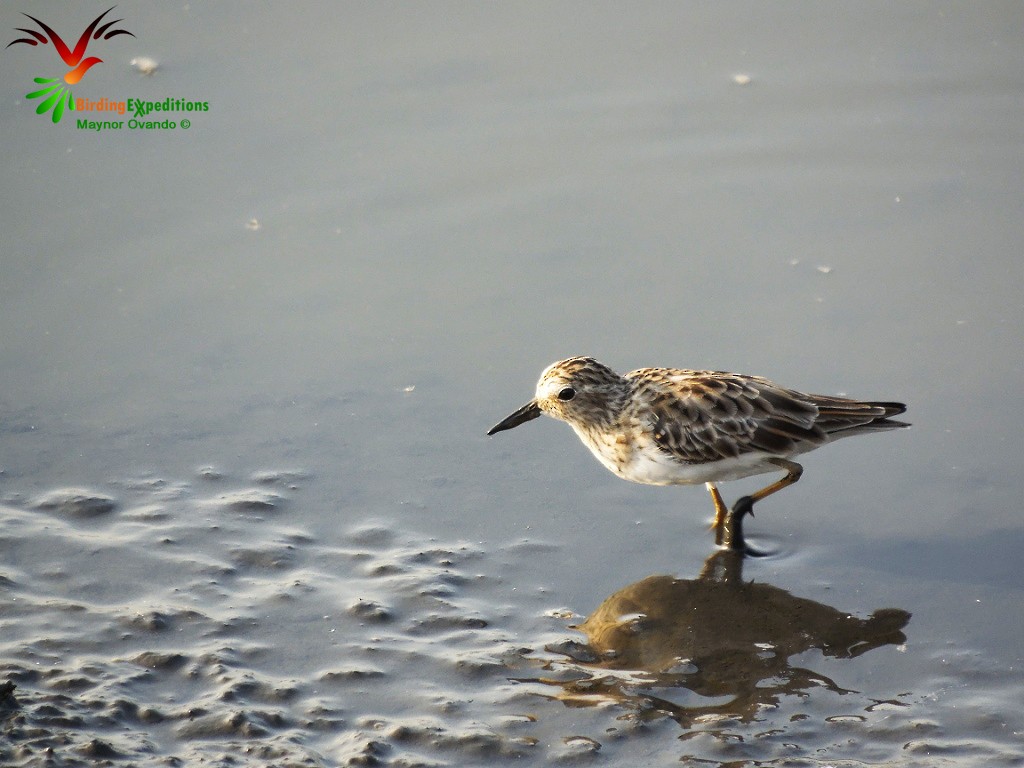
[[704, 416]]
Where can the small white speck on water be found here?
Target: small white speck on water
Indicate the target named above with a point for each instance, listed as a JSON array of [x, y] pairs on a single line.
[[794, 262], [144, 65], [409, 389], [741, 79], [897, 199], [253, 225], [825, 270], [558, 613]]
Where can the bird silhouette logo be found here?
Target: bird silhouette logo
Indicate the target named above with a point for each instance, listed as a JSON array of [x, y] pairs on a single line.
[[57, 95]]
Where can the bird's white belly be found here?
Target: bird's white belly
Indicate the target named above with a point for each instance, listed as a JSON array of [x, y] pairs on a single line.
[[650, 465], [654, 467]]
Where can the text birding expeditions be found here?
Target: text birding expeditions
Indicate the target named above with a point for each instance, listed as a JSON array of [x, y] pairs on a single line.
[[139, 107]]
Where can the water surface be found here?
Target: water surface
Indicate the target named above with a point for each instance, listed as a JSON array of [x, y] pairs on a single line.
[[249, 510]]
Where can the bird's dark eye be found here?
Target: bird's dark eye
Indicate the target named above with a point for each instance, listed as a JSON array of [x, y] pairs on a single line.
[[568, 393]]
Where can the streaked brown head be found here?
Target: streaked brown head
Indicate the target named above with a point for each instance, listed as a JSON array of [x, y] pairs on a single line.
[[579, 390]]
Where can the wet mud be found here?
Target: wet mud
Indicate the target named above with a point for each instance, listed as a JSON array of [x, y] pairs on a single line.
[[199, 622]]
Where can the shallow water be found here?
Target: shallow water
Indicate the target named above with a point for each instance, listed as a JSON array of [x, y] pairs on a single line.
[[249, 510]]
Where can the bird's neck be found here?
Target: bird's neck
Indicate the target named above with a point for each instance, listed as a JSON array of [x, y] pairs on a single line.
[[607, 412]]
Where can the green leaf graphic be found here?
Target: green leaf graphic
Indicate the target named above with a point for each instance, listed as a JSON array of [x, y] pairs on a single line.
[[58, 98], [37, 94], [48, 104], [58, 111]]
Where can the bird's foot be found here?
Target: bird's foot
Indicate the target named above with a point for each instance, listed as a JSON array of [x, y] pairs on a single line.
[[730, 534], [743, 506]]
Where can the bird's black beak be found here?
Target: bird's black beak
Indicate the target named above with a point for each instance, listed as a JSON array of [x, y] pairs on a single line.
[[527, 413]]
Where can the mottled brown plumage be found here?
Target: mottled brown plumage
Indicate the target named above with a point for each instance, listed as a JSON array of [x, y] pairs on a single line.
[[674, 426]]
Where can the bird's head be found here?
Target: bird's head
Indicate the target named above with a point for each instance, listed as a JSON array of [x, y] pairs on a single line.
[[580, 391]]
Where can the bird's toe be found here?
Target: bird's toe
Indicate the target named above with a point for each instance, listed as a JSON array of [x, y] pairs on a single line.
[[743, 506]]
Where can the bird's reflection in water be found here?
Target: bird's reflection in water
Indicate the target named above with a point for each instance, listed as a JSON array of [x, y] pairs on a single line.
[[725, 641]]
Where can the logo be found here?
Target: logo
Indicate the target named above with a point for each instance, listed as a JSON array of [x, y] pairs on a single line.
[[101, 114], [58, 97]]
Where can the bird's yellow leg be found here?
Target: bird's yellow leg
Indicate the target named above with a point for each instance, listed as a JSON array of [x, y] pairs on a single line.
[[793, 472], [746, 504], [721, 511], [731, 533]]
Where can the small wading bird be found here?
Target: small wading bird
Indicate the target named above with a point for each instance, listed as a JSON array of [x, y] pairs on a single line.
[[672, 426]]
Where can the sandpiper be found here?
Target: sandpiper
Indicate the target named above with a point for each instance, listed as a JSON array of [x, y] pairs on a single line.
[[673, 426]]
